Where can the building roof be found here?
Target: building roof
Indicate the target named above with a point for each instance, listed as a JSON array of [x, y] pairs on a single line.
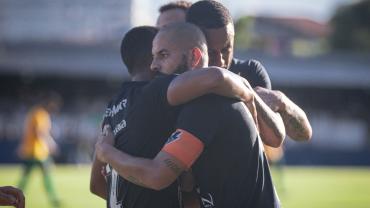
[[102, 62]]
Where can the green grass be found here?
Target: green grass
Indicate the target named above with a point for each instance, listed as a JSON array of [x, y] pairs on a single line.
[[71, 183], [303, 187]]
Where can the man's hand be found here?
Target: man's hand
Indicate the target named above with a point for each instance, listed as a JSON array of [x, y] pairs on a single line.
[[104, 143], [295, 120], [273, 98], [10, 196]]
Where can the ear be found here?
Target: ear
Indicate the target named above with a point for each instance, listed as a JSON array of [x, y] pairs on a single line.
[[196, 57]]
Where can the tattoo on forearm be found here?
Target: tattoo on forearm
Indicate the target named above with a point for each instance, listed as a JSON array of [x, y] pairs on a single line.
[[262, 113], [294, 123], [172, 165]]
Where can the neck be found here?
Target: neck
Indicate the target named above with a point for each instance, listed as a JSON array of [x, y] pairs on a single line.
[[145, 76]]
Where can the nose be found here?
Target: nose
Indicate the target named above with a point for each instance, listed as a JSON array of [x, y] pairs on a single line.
[[154, 66], [216, 59]]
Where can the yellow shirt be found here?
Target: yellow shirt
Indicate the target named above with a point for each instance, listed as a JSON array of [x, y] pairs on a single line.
[[37, 127]]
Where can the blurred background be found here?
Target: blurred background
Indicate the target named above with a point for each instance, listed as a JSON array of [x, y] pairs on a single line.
[[317, 52]]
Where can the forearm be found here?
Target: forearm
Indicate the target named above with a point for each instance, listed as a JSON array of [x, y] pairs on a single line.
[[234, 86], [295, 120], [196, 83], [271, 125], [140, 171], [98, 185]]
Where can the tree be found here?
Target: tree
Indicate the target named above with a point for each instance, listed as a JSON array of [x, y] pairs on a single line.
[[243, 32], [351, 27]]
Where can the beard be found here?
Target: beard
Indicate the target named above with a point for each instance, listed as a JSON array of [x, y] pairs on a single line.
[[183, 66]]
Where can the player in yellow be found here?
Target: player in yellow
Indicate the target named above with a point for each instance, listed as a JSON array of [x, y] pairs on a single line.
[[38, 144]]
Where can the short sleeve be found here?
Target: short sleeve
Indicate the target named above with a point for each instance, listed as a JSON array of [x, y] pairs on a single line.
[[107, 116], [157, 89], [201, 118], [253, 71]]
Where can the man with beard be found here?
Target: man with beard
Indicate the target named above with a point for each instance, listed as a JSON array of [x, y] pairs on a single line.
[[214, 135], [142, 116]]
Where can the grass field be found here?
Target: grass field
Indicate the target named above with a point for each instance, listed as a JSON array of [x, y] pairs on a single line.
[[302, 187]]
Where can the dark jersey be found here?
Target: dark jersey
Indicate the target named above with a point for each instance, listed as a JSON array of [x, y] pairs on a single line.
[[232, 170], [116, 110], [148, 124], [253, 71], [115, 116]]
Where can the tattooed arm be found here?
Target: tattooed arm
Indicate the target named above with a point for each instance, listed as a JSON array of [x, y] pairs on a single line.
[[157, 173], [270, 124], [295, 120]]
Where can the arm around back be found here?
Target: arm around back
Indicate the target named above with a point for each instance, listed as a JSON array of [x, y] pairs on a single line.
[[198, 82]]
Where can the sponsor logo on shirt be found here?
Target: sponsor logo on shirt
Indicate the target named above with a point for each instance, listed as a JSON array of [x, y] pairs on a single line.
[[207, 201], [110, 112], [119, 127], [175, 136]]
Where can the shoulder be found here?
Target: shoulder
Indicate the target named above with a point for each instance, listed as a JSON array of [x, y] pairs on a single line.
[[253, 71], [210, 102], [250, 64], [159, 85], [161, 80]]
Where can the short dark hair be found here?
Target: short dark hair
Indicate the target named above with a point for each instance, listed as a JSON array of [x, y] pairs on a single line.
[[184, 5], [208, 14], [136, 48]]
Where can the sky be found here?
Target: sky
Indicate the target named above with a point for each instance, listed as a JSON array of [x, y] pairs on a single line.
[[319, 10]]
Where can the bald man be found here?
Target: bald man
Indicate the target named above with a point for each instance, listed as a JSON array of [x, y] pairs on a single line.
[[145, 117], [215, 136]]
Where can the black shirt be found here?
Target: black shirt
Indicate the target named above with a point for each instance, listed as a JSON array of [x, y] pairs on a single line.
[[148, 124], [115, 116], [253, 71], [117, 107], [232, 170]]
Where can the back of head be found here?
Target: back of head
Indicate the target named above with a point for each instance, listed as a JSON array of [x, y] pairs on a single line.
[[136, 49], [172, 12], [209, 14], [185, 35], [183, 5]]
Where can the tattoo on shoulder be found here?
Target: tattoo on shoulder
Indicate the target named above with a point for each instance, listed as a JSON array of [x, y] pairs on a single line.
[[173, 166]]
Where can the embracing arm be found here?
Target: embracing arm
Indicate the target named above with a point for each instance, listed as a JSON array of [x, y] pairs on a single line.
[[195, 83], [157, 173], [98, 185], [296, 123], [270, 124], [295, 120]]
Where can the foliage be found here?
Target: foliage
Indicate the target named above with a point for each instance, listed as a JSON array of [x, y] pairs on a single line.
[[244, 32], [351, 27]]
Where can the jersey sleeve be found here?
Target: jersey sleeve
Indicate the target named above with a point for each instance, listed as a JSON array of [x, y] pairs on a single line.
[[253, 71], [107, 116], [157, 89], [263, 79]]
